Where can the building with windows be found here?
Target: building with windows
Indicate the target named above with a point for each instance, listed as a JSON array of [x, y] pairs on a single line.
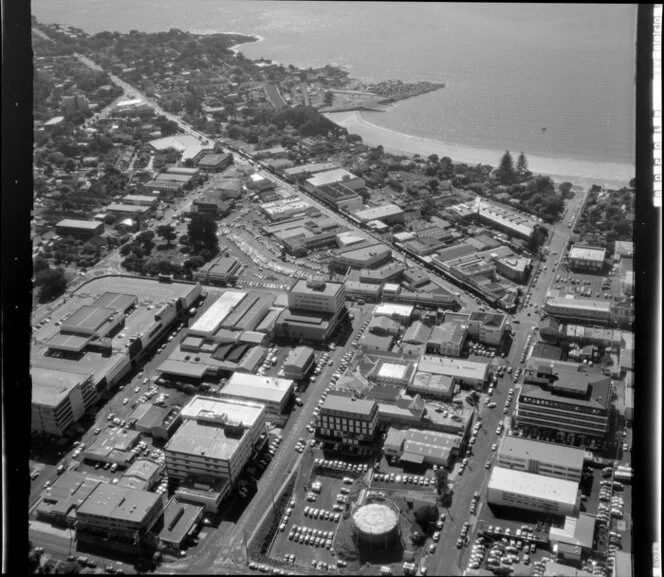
[[334, 176], [349, 422], [272, 392], [422, 447], [299, 363], [397, 312], [388, 213], [213, 445], [215, 162], [548, 459], [120, 513], [317, 296], [531, 492], [139, 200], [447, 339], [586, 258], [81, 228], [59, 399], [61, 500], [572, 403], [303, 171], [223, 270], [578, 309], [465, 373], [370, 255]]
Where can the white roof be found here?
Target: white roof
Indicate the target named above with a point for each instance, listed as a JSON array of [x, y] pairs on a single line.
[[331, 176], [218, 311], [587, 253], [378, 212], [210, 407], [190, 146], [515, 221], [392, 371], [534, 486], [583, 304], [453, 367], [260, 388], [390, 309], [132, 102]]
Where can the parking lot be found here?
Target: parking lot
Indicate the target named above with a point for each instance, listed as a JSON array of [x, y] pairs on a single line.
[[310, 536], [596, 286]]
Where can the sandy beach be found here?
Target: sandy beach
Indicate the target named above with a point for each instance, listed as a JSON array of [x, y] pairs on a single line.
[[580, 172]]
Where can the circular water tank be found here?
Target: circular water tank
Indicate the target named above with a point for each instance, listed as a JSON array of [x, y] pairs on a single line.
[[377, 524]]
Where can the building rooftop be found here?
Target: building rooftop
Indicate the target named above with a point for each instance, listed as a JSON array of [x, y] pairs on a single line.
[[545, 452], [417, 333], [213, 317], [205, 439], [179, 519], [260, 388], [220, 410], [331, 176], [299, 356], [212, 159], [580, 303], [50, 387], [591, 253], [311, 168], [448, 333], [346, 404], [188, 145], [316, 287], [391, 370], [88, 318], [82, 224], [453, 367], [597, 395], [378, 212], [114, 502], [67, 492], [391, 309], [534, 486]]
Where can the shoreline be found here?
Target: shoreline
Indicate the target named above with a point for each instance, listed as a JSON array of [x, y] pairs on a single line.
[[580, 172]]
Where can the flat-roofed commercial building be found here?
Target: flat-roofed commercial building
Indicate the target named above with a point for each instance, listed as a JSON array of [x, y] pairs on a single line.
[[334, 176], [392, 372], [390, 272], [514, 268], [548, 459], [510, 221], [303, 234], [447, 339], [579, 405], [299, 363], [215, 441], [433, 386], [127, 210], [309, 326], [82, 228], [388, 213], [590, 258], [307, 170], [272, 392], [139, 200], [371, 255], [466, 373], [531, 492], [179, 522], [223, 270], [59, 399], [125, 514], [401, 313], [285, 208], [259, 183], [349, 422], [486, 327], [188, 145], [579, 309], [317, 296], [215, 162], [575, 540], [61, 500], [338, 196]]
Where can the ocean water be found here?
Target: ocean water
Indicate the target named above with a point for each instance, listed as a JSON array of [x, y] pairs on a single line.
[[511, 70]]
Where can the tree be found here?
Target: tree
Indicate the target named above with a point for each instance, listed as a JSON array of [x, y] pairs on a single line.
[[505, 172], [52, 284], [202, 232], [433, 184], [328, 98], [427, 209], [425, 515], [166, 232], [39, 264], [522, 164], [433, 158]]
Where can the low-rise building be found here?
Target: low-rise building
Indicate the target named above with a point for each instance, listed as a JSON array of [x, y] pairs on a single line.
[[531, 492], [223, 270], [579, 309], [119, 512], [139, 200], [401, 313], [299, 363], [466, 373], [447, 339], [574, 541], [586, 258], [215, 162], [422, 447], [388, 213], [368, 256], [80, 228], [61, 500], [272, 392], [548, 459], [179, 522]]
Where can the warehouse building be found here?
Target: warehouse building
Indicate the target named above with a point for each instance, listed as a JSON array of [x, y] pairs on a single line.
[[139, 200], [531, 492], [422, 447], [215, 162], [80, 228], [548, 459], [305, 171], [574, 541], [586, 258], [211, 448], [286, 208], [332, 177]]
